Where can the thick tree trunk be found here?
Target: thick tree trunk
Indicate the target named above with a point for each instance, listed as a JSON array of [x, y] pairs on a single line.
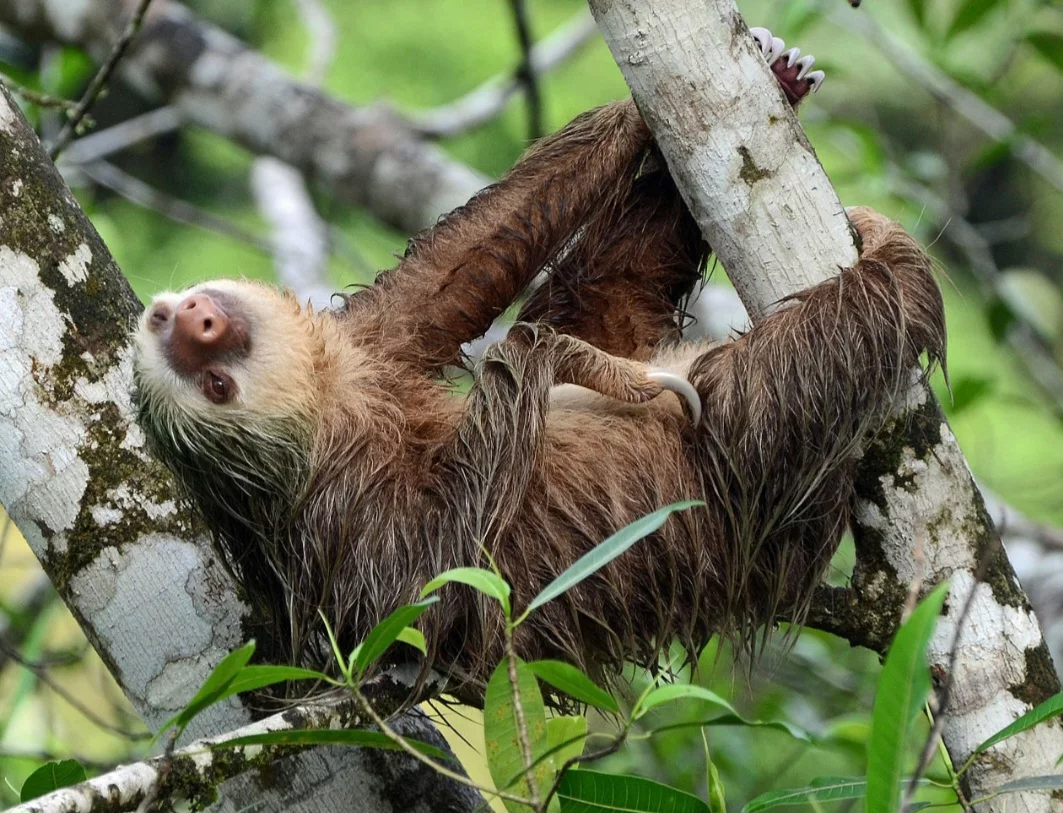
[[131, 562], [752, 180]]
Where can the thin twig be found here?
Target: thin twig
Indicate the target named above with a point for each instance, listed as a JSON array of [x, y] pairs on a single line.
[[400, 741], [104, 143], [526, 72], [99, 81], [35, 96], [522, 723], [41, 673], [135, 190], [606, 751], [489, 99]]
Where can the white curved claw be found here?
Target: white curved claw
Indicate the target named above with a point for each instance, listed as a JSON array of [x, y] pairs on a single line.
[[763, 38], [806, 63], [681, 387], [777, 46], [791, 56], [816, 79]]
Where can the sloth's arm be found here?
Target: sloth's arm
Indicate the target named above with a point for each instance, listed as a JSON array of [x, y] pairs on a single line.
[[789, 403], [461, 274], [622, 282]]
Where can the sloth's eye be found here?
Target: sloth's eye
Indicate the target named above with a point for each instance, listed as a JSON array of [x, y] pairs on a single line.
[[218, 387]]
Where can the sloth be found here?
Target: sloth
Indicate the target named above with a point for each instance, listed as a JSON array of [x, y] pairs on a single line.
[[340, 473]]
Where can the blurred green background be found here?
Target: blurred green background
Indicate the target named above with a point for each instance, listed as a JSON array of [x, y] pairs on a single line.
[[884, 140]]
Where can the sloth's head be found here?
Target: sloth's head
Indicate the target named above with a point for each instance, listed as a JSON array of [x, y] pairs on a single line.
[[230, 377]]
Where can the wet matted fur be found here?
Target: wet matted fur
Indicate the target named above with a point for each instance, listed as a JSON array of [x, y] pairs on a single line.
[[354, 477]]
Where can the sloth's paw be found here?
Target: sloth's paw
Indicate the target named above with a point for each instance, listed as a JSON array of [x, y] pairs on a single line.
[[793, 71], [681, 387]]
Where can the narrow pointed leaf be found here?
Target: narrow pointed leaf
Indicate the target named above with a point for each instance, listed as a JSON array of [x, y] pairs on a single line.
[[574, 683], [790, 729], [824, 789], [584, 791], [213, 687], [902, 689], [387, 632], [677, 691], [607, 551], [1050, 782], [1052, 707], [488, 583]]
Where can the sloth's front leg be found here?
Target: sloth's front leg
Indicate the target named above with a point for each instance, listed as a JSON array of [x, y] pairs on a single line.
[[575, 361]]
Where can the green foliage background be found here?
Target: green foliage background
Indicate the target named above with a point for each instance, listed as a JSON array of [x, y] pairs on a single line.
[[876, 132]]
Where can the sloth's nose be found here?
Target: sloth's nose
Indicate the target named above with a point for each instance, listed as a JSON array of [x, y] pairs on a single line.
[[200, 321]]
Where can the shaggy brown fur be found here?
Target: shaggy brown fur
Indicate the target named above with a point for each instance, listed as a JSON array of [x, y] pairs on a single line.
[[380, 479]]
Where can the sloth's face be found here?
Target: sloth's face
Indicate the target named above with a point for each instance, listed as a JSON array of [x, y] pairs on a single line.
[[226, 351]]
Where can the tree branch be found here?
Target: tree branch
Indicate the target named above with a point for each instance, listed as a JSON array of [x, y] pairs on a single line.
[[484, 103], [99, 81], [764, 203], [363, 156]]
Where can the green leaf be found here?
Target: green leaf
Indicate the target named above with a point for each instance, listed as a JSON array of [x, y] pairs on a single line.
[[676, 691], [51, 776], [505, 758], [1050, 782], [824, 789], [565, 737], [213, 687], [606, 552], [969, 14], [413, 637], [918, 9], [331, 736], [258, 677], [968, 391], [595, 792], [488, 583], [1052, 707], [901, 693], [790, 729], [387, 632], [574, 683], [1049, 45]]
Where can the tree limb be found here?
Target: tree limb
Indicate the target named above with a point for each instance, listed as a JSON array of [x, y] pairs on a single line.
[[764, 203], [363, 156]]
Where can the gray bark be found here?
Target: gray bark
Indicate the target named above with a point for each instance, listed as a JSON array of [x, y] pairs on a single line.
[[131, 561], [763, 201]]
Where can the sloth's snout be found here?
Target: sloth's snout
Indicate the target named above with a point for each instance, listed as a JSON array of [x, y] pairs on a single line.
[[201, 322]]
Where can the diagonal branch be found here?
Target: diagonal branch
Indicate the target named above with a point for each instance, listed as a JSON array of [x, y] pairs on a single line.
[[482, 104], [762, 200]]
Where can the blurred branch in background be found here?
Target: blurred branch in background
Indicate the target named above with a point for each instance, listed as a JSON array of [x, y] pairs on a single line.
[[945, 89], [298, 235], [133, 189], [525, 74], [99, 81], [488, 100]]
